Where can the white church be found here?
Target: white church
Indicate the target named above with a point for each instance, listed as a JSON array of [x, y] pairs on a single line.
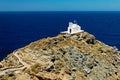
[[73, 28]]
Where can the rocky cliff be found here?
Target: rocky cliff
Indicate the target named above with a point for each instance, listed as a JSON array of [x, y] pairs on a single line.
[[64, 57]]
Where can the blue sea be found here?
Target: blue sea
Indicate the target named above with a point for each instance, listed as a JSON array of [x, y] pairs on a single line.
[[18, 29]]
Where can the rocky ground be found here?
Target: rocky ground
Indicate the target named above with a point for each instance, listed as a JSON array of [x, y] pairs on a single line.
[[64, 57]]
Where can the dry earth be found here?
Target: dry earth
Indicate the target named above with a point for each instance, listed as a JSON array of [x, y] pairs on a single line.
[[64, 57]]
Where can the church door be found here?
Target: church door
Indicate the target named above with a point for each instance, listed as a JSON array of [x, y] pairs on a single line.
[[70, 30]]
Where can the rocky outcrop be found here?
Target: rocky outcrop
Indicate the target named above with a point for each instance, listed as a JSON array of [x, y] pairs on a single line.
[[64, 57]]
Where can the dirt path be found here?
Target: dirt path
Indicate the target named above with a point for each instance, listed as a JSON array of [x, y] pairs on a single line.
[[24, 65]]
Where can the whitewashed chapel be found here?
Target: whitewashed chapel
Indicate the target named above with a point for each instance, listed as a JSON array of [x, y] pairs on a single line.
[[73, 28]]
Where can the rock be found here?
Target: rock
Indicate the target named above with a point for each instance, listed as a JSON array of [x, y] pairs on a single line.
[[10, 74], [1, 65], [64, 57]]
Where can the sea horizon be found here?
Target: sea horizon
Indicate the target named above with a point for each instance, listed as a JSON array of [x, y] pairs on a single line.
[[18, 29], [61, 11]]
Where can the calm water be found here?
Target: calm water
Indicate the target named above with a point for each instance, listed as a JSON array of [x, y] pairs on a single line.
[[18, 29]]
